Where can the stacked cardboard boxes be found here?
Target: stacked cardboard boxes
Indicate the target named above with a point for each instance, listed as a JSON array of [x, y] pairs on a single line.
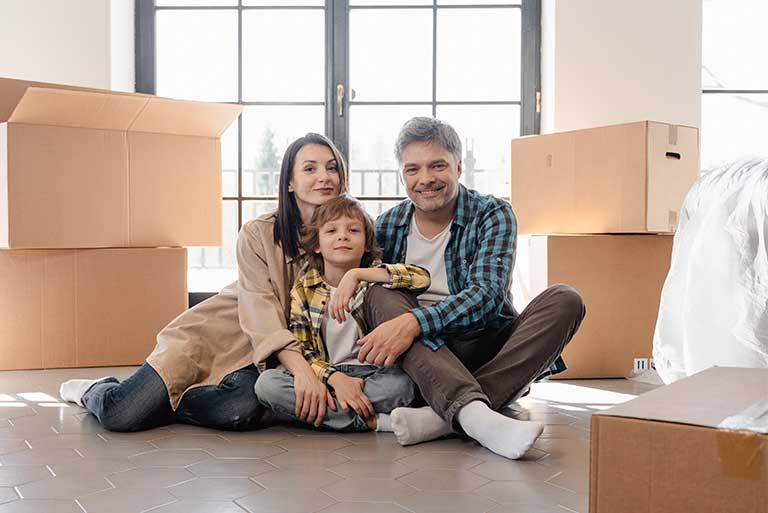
[[596, 209], [99, 194]]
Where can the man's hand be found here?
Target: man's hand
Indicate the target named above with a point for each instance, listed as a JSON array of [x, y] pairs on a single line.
[[312, 396], [349, 392], [389, 340]]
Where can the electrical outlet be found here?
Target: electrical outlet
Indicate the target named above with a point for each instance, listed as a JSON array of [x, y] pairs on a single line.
[[641, 364]]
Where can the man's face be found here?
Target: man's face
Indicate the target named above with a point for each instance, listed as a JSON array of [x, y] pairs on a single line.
[[431, 176]]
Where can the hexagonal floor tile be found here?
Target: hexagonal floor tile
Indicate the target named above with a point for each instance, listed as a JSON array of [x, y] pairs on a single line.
[[368, 507], [295, 479], [447, 503], [227, 449], [326, 443], [160, 458], [216, 488], [7, 412], [445, 460], [174, 441], [10, 445], [68, 487], [380, 469], [11, 475], [193, 506], [365, 452], [578, 502], [268, 435], [92, 466], [38, 506], [448, 480], [140, 478], [369, 489], [305, 459], [40, 457], [575, 480], [125, 500], [8, 494], [231, 467], [514, 471], [523, 492], [285, 501]]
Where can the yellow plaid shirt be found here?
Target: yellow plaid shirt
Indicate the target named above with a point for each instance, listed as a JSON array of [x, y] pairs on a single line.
[[309, 301]]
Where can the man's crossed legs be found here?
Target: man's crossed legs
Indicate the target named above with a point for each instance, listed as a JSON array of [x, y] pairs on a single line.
[[468, 380]]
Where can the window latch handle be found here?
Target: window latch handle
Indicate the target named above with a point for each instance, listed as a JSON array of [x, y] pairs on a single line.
[[340, 100]]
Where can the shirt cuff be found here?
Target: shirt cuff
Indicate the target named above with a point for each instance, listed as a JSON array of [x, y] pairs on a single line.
[[429, 321]]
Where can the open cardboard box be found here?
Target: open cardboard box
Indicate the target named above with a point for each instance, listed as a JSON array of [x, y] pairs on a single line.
[[87, 307], [81, 168], [629, 178], [664, 453]]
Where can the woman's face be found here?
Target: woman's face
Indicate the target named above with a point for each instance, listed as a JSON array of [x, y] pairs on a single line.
[[315, 177]]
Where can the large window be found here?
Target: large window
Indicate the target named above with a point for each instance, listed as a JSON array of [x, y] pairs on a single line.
[[735, 81], [352, 69]]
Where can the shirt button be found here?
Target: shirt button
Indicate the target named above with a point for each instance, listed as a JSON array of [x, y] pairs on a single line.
[[498, 259], [464, 261]]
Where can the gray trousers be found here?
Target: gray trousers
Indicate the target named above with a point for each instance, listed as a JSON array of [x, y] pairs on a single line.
[[386, 388], [493, 366]]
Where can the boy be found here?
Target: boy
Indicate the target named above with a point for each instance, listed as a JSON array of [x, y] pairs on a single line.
[[344, 261]]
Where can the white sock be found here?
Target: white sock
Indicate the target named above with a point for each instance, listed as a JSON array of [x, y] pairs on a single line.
[[416, 425], [72, 391], [383, 423], [506, 437]]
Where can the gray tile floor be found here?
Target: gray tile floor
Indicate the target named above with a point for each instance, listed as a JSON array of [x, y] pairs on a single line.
[[55, 457]]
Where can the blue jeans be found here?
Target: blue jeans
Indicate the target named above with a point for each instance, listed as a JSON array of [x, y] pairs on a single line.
[[141, 402], [386, 388]]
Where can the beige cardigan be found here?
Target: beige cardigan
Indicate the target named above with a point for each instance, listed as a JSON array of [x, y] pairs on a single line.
[[243, 324]]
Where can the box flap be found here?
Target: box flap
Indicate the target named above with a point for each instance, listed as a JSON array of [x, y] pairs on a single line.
[[12, 90], [704, 399], [178, 117], [82, 109]]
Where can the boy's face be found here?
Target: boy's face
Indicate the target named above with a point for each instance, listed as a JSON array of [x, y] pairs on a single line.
[[342, 242]]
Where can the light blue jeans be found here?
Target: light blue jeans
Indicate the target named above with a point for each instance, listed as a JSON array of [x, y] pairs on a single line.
[[386, 387]]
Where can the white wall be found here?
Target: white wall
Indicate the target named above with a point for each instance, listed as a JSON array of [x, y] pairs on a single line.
[[614, 61], [78, 42]]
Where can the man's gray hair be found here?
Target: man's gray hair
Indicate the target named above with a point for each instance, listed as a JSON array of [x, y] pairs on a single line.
[[428, 130]]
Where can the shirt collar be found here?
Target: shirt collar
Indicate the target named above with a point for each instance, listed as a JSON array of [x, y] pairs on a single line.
[[312, 278]]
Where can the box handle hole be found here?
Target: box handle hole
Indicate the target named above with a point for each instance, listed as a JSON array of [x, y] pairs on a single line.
[[673, 155]]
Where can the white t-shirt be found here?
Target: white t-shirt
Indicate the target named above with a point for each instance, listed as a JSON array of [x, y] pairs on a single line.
[[430, 254], [340, 338]]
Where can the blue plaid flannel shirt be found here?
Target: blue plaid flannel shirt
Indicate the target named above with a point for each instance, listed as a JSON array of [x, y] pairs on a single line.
[[478, 262]]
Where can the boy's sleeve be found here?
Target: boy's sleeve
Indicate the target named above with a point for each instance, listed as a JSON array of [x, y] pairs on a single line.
[[302, 330], [405, 276]]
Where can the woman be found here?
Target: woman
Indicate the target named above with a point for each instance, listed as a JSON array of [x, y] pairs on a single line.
[[203, 368]]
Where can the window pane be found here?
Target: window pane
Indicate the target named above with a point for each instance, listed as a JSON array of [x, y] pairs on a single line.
[[267, 132], [486, 132], [733, 126], [469, 43], [282, 3], [212, 268], [284, 55], [478, 2], [375, 208], [390, 2], [195, 3], [373, 130], [229, 160], [197, 54], [733, 45], [387, 68], [253, 209]]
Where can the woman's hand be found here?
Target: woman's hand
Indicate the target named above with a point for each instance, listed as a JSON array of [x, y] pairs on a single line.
[[349, 392], [344, 292], [312, 396]]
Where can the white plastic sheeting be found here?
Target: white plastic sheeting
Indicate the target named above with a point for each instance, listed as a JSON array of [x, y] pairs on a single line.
[[714, 304]]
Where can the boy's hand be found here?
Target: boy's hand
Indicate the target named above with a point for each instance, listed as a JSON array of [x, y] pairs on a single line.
[[349, 392], [344, 293], [312, 396]]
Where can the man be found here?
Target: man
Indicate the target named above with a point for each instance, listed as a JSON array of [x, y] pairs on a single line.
[[463, 344]]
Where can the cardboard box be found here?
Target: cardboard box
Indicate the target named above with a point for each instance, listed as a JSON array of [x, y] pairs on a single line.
[[81, 168], [628, 178], [663, 452], [620, 278], [87, 308]]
